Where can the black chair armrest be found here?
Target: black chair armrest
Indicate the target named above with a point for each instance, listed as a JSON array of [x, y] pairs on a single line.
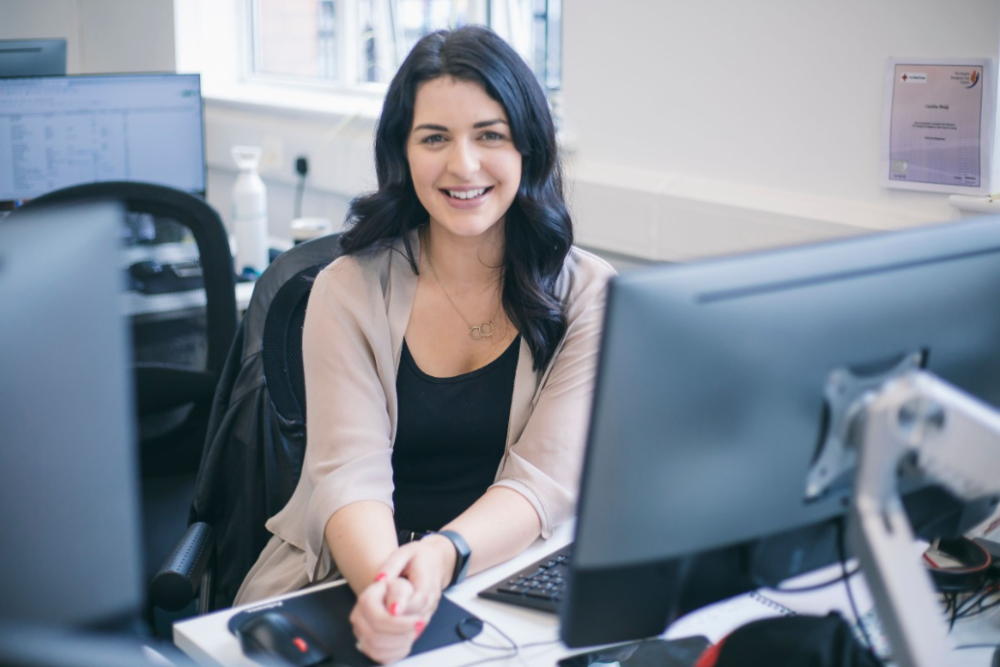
[[177, 582]]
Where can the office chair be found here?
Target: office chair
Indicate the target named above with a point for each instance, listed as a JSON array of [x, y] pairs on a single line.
[[180, 297], [256, 440]]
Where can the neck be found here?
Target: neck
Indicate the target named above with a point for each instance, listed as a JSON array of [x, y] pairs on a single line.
[[465, 263]]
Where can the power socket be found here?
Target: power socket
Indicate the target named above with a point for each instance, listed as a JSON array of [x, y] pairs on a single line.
[[302, 165], [272, 154]]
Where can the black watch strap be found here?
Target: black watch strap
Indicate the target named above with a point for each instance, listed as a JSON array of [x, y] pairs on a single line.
[[462, 554]]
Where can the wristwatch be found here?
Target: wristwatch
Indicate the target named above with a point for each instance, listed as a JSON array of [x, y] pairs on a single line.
[[462, 554]]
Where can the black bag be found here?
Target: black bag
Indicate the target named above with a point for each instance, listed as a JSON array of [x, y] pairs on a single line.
[[795, 641]]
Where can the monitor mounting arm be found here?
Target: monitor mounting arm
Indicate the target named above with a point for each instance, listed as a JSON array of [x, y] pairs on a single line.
[[953, 439]]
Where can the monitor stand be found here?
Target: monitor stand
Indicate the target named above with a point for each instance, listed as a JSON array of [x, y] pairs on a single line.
[[953, 439]]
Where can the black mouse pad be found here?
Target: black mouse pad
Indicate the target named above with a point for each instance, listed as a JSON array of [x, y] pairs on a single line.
[[326, 613]]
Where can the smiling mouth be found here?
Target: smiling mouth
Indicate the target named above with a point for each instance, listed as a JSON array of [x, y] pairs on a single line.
[[466, 194]]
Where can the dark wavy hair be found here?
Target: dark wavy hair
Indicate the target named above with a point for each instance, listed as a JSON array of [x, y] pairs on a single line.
[[538, 231]]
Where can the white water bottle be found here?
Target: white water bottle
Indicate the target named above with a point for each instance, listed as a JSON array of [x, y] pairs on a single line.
[[249, 213]]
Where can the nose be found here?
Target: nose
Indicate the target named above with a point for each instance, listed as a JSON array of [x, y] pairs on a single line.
[[463, 161]]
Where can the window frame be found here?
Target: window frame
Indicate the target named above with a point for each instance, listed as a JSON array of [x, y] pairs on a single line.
[[348, 40]]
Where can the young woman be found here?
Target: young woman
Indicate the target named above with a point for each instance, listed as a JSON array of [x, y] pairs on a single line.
[[449, 355]]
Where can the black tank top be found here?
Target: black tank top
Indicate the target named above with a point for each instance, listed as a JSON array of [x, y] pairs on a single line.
[[450, 438]]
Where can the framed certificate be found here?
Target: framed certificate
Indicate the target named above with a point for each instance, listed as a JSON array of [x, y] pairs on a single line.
[[938, 124]]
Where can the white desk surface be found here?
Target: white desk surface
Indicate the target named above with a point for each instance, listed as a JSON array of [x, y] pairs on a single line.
[[243, 293], [245, 290], [208, 641]]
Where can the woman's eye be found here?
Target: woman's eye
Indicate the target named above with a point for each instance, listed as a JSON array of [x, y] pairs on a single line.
[[493, 136], [432, 139]]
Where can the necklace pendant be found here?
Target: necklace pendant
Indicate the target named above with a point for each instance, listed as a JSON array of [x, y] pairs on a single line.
[[484, 330]]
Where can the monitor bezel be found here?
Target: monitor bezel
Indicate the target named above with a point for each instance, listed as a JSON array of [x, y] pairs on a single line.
[[51, 51], [614, 551], [8, 204]]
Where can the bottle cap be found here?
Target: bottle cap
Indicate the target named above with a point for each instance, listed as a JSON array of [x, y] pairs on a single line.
[[246, 157]]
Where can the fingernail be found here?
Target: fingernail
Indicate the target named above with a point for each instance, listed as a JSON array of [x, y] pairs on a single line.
[[380, 577], [394, 608], [419, 626]]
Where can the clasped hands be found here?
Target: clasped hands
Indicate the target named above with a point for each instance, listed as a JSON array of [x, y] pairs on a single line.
[[393, 611]]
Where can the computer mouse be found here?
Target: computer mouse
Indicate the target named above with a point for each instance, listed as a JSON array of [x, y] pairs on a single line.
[[275, 637], [146, 269], [144, 274]]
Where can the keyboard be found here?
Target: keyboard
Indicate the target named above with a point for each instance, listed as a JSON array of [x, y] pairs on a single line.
[[538, 586]]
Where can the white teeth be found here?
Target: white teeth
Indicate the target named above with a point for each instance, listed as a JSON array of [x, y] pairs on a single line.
[[466, 194]]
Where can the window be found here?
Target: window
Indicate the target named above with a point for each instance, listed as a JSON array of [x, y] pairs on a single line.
[[361, 43]]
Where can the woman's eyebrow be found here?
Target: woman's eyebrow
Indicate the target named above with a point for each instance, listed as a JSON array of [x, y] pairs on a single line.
[[430, 126], [441, 128]]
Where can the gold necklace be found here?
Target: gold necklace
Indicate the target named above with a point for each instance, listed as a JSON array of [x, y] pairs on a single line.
[[485, 329]]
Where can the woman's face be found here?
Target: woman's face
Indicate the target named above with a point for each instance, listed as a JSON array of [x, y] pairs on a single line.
[[463, 162]]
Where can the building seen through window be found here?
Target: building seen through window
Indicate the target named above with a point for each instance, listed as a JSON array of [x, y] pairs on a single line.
[[361, 43]]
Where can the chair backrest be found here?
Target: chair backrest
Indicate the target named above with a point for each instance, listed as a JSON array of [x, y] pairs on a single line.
[[180, 297], [256, 440]]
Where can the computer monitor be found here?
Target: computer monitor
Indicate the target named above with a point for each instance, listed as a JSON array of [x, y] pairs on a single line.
[[62, 131], [69, 500], [710, 409], [32, 57]]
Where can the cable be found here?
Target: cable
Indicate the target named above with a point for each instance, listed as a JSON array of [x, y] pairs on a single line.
[[299, 189], [815, 587], [991, 605], [841, 553], [950, 605], [976, 602], [960, 610], [511, 651], [301, 168]]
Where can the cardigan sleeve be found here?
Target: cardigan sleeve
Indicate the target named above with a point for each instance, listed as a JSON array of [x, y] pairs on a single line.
[[344, 347], [545, 461]]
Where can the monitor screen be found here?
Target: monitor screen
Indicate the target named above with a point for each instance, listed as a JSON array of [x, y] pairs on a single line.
[[32, 57], [710, 408], [69, 500], [61, 131]]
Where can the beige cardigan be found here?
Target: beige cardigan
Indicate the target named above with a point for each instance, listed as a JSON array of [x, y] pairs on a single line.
[[352, 341]]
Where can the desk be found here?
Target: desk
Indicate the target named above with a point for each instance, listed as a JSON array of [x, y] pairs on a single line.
[[135, 304], [176, 304], [207, 640], [243, 293]]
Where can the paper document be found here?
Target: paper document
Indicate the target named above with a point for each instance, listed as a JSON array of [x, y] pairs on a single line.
[[937, 133], [717, 620]]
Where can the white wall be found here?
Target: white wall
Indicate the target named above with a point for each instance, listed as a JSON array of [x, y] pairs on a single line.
[[44, 19], [127, 35], [102, 36], [697, 128], [339, 152], [722, 125]]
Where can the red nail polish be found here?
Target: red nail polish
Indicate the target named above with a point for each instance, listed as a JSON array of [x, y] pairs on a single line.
[[419, 626], [394, 608], [380, 577]]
